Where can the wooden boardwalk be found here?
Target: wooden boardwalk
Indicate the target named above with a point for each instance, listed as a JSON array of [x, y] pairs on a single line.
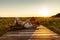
[[41, 33]]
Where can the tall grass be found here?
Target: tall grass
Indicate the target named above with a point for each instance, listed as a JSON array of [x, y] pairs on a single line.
[[5, 24], [51, 23]]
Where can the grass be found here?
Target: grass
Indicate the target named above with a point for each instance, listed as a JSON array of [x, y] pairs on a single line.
[[4, 25], [52, 23]]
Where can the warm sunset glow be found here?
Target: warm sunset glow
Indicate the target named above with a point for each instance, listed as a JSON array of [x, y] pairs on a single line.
[[45, 12], [29, 8]]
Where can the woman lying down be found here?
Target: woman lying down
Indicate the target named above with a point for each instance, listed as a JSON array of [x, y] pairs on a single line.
[[28, 23]]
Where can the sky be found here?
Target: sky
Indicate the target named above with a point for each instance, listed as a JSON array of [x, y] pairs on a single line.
[[27, 8]]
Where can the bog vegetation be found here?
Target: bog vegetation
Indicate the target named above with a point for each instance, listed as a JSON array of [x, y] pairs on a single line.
[[51, 23]]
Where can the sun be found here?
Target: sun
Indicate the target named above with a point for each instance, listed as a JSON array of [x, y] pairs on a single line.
[[45, 12]]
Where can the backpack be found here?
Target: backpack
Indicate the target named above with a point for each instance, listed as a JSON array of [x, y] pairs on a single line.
[[27, 24]]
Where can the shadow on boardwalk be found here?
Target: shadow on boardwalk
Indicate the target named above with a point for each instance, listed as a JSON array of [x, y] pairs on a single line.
[[40, 33]]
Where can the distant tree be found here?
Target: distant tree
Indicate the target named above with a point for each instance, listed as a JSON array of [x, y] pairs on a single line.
[[57, 15]]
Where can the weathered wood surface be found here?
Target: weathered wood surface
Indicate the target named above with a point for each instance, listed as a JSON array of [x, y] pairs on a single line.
[[40, 33]]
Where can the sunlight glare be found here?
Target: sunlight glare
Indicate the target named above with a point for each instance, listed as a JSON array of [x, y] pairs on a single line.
[[45, 12]]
